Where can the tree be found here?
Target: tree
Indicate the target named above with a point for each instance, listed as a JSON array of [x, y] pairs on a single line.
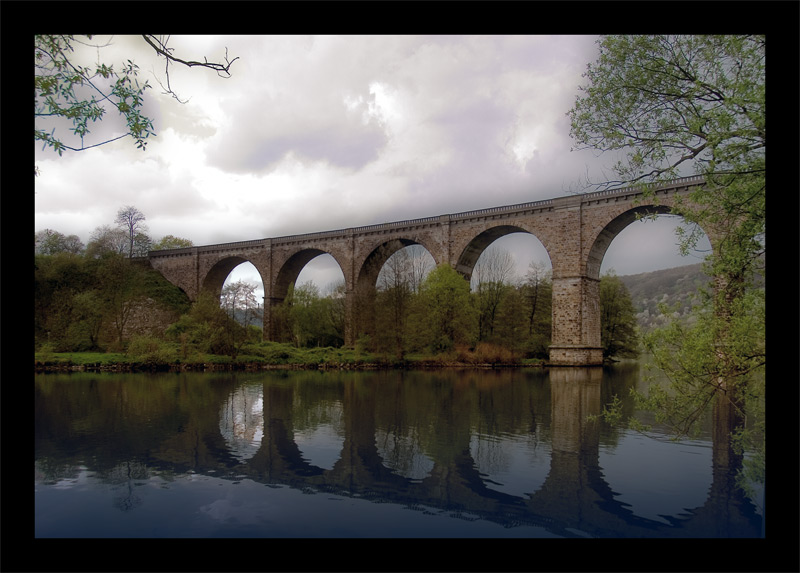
[[49, 242], [537, 288], [171, 242], [666, 101], [239, 301], [669, 105], [121, 289], [66, 90], [131, 220], [492, 276], [336, 310], [618, 334], [106, 239], [308, 319], [399, 280], [446, 314], [206, 326], [142, 244], [58, 280], [511, 330]]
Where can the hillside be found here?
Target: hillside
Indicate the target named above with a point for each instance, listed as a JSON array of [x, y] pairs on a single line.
[[676, 286]]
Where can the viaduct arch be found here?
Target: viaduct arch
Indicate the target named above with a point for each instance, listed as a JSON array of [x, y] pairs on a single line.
[[575, 230]]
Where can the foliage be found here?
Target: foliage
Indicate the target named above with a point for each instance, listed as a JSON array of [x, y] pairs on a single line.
[[306, 318], [152, 351], [49, 242], [692, 359], [512, 327], [106, 239], [64, 89], [83, 303], [668, 105], [537, 289], [446, 314], [171, 242], [665, 101], [121, 287], [677, 288], [208, 328], [618, 333], [492, 275]]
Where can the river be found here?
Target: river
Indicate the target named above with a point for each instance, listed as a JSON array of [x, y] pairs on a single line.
[[382, 454]]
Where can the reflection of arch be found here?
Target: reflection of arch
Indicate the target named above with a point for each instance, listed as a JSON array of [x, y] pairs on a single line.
[[472, 252], [290, 270], [367, 275]]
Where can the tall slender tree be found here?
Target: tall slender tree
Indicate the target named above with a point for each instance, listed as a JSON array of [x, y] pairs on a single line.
[[131, 220], [492, 277]]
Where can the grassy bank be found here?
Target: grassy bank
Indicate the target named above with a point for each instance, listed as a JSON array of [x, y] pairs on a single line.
[[264, 356]]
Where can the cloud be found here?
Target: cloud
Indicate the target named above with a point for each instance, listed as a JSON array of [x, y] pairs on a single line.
[[314, 133]]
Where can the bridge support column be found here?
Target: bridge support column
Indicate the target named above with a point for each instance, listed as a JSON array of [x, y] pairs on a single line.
[[576, 322]]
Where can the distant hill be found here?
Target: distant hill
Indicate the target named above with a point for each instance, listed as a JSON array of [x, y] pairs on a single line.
[[676, 286]]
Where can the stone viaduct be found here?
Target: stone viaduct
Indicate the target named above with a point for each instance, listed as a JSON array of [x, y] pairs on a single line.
[[575, 230]]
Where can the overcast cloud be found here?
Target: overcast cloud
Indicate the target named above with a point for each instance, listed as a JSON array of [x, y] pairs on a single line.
[[318, 133]]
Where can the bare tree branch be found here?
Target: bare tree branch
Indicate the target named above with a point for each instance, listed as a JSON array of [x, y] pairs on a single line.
[[159, 44]]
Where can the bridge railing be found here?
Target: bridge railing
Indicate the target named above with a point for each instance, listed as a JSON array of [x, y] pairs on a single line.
[[503, 209], [679, 182]]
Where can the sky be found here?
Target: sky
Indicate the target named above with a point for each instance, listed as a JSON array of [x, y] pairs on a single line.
[[315, 133]]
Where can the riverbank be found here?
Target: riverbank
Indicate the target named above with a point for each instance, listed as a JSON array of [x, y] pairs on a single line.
[[307, 359]]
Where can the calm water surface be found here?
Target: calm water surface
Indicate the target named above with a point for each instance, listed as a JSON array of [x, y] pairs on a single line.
[[489, 454]]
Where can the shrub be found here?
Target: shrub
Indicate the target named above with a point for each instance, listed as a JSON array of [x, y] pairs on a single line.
[[152, 351]]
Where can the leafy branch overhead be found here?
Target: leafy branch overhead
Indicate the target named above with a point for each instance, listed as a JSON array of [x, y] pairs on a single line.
[[66, 92], [667, 102]]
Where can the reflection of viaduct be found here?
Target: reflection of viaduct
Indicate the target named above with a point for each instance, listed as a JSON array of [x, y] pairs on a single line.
[[575, 230], [574, 499]]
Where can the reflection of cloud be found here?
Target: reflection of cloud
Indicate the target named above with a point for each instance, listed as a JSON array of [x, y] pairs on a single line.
[[657, 478], [319, 434], [321, 445], [515, 465], [241, 421]]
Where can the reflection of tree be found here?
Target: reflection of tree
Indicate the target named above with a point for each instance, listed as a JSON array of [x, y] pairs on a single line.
[[402, 452], [241, 420], [49, 471], [123, 476]]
